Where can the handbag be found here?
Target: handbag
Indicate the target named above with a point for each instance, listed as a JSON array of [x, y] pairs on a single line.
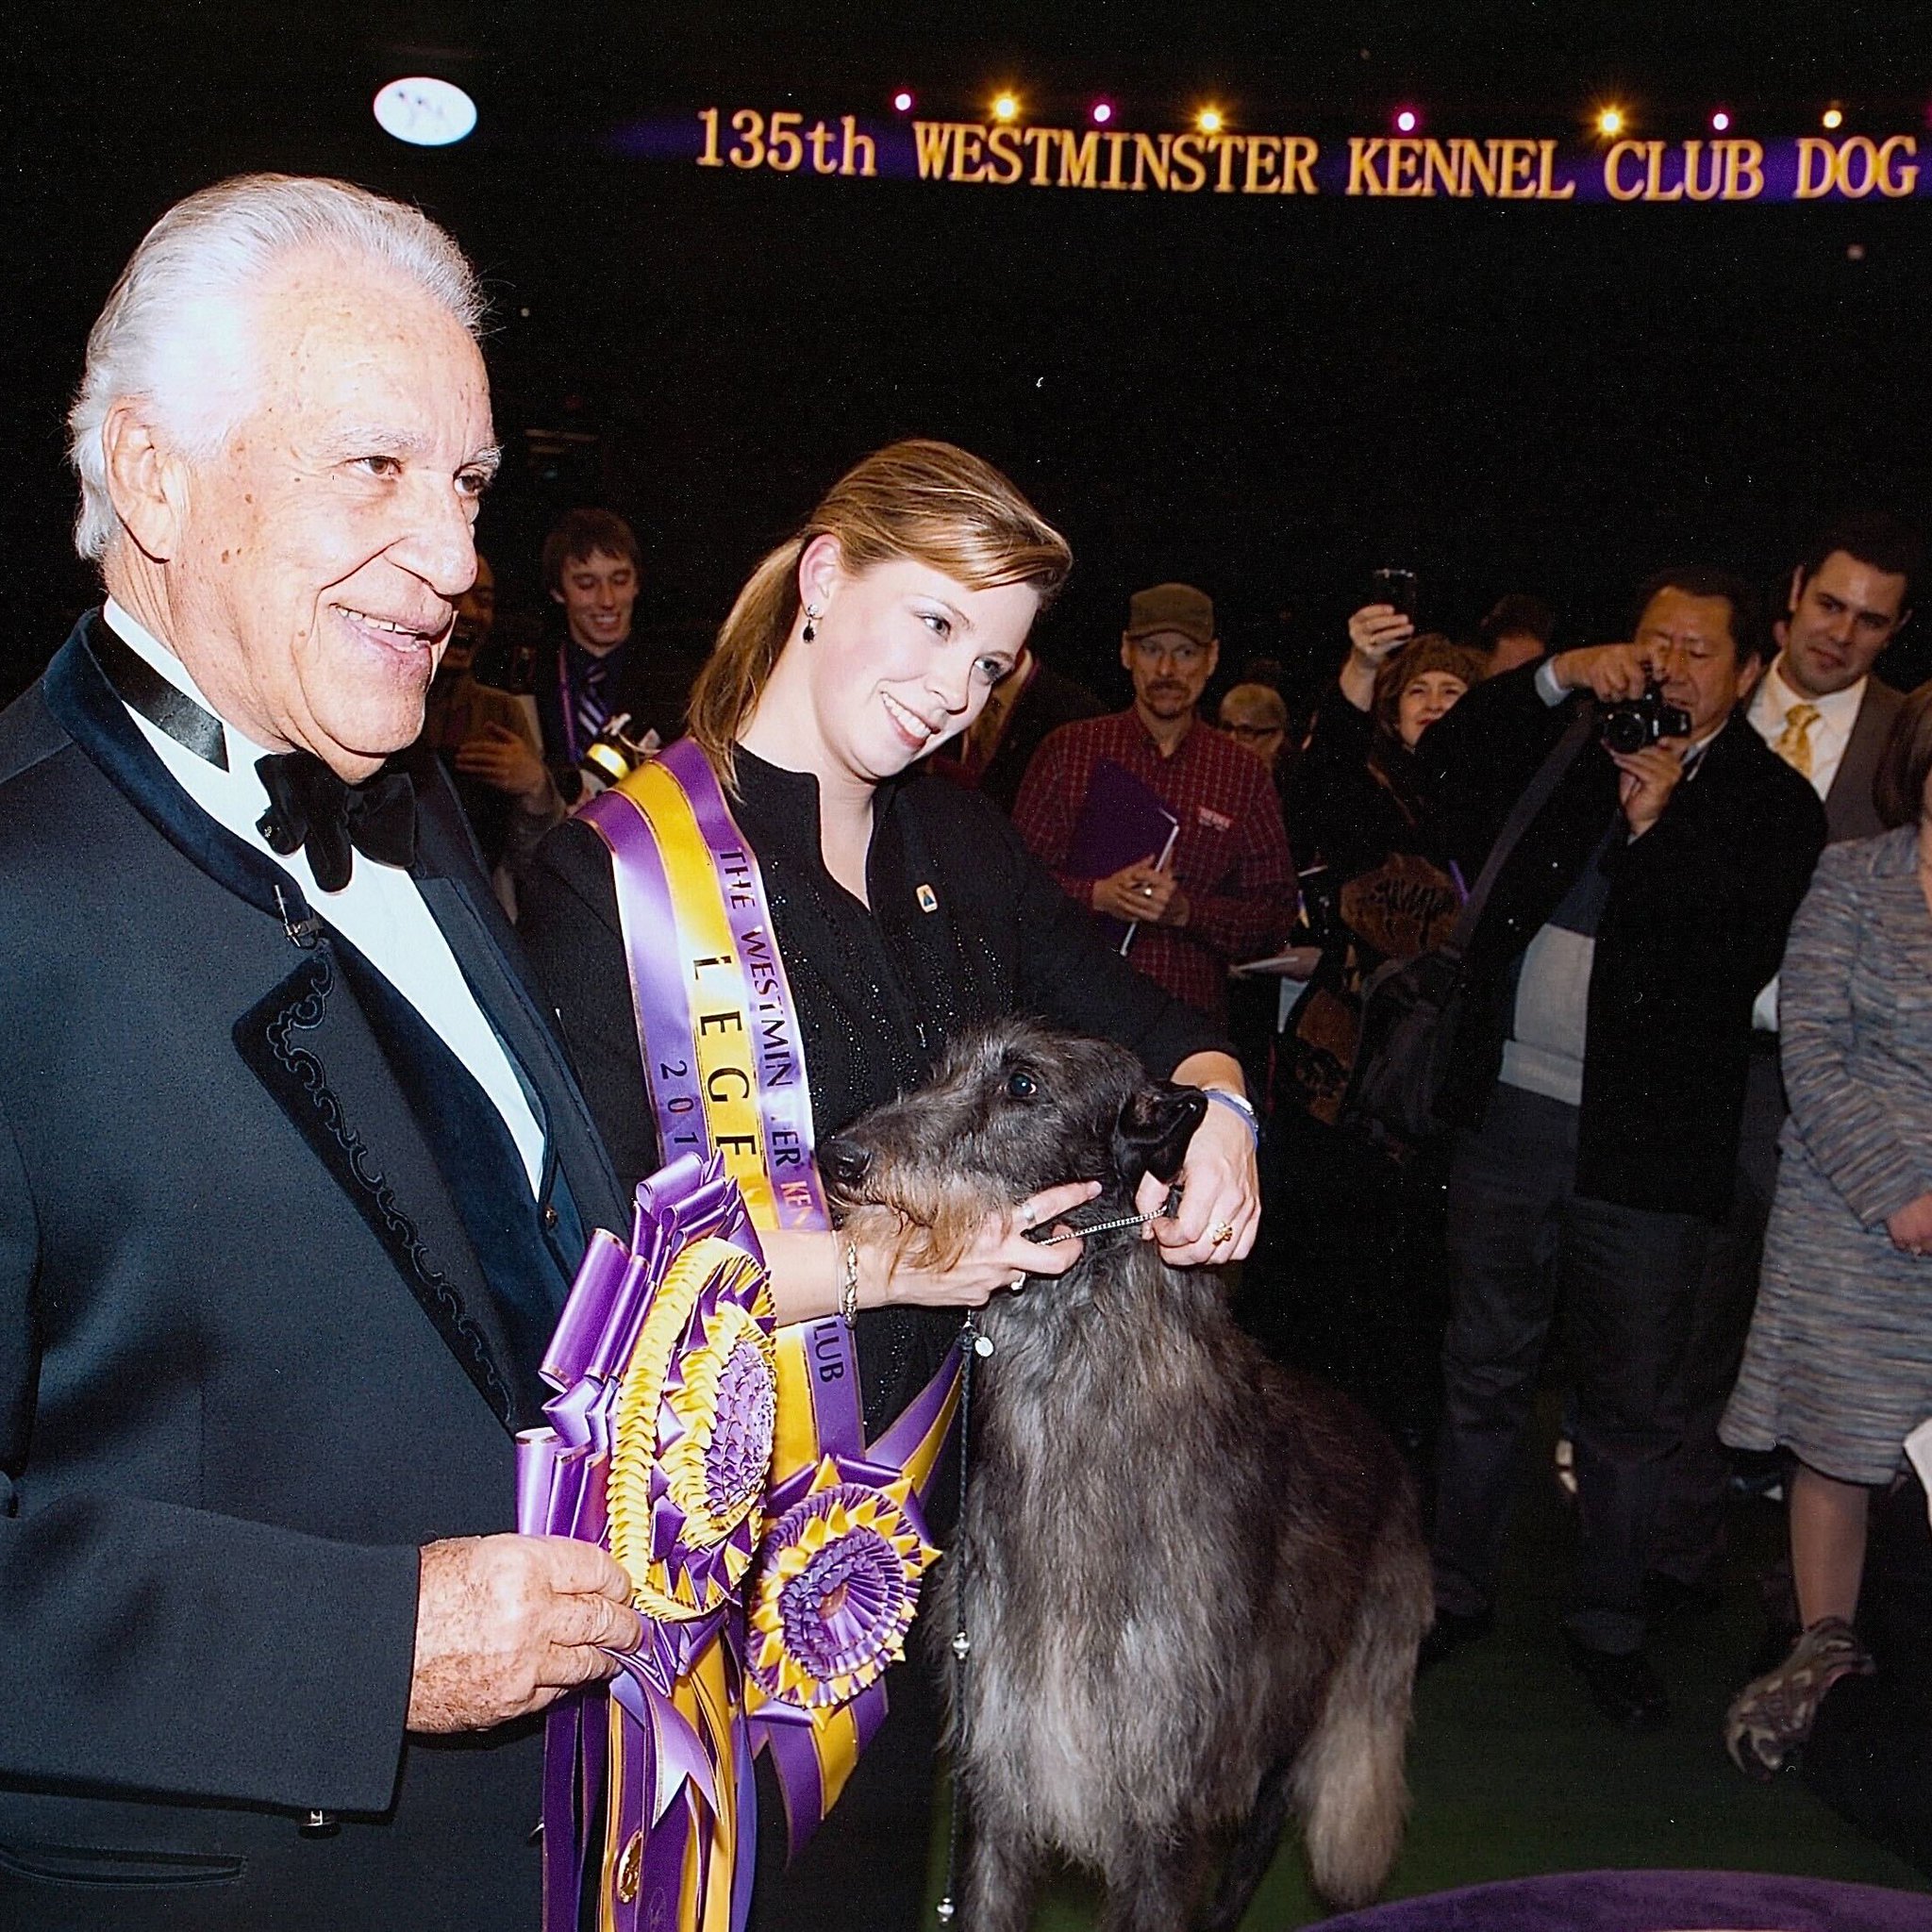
[[1412, 1008]]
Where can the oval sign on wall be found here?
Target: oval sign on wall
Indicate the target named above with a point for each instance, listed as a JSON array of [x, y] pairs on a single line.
[[425, 111]]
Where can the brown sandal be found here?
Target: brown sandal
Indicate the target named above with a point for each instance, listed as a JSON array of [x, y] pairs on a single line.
[[1773, 1715]]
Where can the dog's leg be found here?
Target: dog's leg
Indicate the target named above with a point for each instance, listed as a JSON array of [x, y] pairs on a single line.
[[1001, 1880], [1348, 1780], [1155, 1891], [1253, 1851]]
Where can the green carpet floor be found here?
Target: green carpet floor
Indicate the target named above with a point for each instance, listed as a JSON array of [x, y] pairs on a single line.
[[1512, 1771]]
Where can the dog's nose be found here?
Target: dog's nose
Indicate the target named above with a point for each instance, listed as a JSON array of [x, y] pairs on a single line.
[[844, 1162]]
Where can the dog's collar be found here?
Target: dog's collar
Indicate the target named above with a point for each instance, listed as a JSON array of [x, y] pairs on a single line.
[[1112, 1223]]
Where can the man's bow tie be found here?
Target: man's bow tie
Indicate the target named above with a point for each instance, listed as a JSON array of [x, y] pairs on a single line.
[[308, 806]]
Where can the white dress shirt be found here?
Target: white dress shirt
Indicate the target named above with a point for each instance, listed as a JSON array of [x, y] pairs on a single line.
[[379, 911], [1837, 711], [1831, 731]]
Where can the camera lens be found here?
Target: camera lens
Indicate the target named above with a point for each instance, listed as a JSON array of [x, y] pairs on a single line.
[[1624, 731]]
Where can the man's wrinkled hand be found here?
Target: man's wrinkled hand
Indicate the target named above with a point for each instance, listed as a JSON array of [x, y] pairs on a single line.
[[1614, 673], [506, 1624]]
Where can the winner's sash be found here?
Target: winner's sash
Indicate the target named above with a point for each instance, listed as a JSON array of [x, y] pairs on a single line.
[[837, 1576]]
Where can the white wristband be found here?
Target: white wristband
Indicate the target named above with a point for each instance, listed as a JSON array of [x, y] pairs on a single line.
[[1237, 1104]]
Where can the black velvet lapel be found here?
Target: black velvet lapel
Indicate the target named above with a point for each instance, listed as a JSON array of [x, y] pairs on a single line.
[[269, 1038], [477, 1158], [84, 702]]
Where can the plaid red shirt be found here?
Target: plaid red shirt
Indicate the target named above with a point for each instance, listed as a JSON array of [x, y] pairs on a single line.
[[1230, 858]]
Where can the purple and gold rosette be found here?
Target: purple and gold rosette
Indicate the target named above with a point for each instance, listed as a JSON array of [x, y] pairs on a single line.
[[837, 1586], [658, 1446]]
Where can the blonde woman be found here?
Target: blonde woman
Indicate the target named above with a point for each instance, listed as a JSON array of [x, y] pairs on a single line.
[[905, 909]]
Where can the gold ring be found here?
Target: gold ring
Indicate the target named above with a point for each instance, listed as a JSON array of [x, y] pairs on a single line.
[[1223, 1233]]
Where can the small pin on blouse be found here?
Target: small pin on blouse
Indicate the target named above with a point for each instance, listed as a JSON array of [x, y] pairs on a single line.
[[929, 899]]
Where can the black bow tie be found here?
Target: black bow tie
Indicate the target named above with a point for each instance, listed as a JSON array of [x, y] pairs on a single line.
[[308, 806]]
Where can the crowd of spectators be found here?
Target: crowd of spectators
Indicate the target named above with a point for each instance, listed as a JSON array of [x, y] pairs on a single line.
[[1637, 1090]]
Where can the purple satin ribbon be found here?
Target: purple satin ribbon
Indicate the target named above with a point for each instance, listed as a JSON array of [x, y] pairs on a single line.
[[562, 1489]]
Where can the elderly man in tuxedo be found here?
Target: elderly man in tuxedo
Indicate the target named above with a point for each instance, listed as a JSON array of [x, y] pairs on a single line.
[[292, 1175]]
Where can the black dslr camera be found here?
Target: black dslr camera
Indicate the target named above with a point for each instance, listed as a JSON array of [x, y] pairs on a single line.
[[1631, 723]]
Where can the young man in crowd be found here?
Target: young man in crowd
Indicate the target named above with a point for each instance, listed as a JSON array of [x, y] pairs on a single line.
[[598, 670], [1226, 892]]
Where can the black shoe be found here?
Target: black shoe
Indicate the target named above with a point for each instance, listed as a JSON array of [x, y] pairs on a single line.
[[1666, 1597], [1623, 1686], [1451, 1629]]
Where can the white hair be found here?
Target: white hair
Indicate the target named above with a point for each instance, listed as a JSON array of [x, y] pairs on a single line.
[[174, 331]]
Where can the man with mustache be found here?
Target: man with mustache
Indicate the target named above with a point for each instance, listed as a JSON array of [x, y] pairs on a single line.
[[1226, 892]]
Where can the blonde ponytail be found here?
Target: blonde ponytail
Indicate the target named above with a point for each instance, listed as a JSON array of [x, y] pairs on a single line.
[[740, 664]]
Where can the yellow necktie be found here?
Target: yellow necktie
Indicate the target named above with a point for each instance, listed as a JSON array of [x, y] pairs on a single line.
[[1794, 742]]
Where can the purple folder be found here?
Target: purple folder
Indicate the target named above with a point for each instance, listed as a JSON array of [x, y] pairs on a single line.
[[1121, 822]]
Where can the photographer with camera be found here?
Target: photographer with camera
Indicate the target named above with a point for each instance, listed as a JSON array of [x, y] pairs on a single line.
[[1600, 1071]]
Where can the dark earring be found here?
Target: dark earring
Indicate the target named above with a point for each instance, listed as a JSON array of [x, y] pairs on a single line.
[[812, 623]]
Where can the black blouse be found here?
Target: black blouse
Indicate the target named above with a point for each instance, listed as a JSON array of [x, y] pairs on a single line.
[[880, 991]]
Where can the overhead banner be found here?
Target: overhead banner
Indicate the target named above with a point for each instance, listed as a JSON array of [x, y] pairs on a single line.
[[1014, 155]]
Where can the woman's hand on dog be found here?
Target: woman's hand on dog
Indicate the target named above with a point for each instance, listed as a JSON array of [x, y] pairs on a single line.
[[998, 1256], [1220, 1188]]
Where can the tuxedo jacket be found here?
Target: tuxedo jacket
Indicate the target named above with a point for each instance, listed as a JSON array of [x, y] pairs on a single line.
[[273, 1290], [1693, 925]]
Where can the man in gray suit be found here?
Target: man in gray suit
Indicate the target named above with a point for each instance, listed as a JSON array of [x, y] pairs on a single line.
[[1822, 712]]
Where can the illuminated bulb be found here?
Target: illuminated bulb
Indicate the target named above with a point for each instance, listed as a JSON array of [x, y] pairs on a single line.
[[1611, 121], [1103, 112], [1406, 120], [1005, 109], [1720, 121], [903, 101], [1209, 121], [1834, 117]]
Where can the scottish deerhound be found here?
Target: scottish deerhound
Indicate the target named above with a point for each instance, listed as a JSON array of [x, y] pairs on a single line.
[[1191, 1582]]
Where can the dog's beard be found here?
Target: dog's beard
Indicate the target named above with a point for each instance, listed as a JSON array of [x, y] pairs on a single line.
[[924, 1220]]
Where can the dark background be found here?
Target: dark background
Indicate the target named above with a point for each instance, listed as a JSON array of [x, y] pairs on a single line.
[[1264, 396]]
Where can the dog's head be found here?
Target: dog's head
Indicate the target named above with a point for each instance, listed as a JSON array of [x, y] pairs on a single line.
[[1013, 1108]]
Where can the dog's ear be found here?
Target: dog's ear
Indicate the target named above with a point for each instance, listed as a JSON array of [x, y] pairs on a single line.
[[1152, 1134]]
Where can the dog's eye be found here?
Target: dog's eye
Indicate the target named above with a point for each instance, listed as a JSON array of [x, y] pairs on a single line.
[[1022, 1085]]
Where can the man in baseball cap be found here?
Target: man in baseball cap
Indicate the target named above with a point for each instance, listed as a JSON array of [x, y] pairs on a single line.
[[1222, 889]]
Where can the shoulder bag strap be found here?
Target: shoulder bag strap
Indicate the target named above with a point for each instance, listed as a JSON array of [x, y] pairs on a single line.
[[1536, 794]]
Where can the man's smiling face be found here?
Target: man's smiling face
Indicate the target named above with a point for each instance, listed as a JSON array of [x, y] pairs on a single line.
[[323, 548]]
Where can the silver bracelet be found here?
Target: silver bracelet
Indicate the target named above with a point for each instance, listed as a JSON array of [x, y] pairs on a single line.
[[848, 1289], [1236, 1104]]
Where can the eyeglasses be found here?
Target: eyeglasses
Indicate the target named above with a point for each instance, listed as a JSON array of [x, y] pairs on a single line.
[[1254, 734], [1183, 656]]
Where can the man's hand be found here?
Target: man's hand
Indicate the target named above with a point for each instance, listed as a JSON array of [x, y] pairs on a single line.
[[505, 1624], [1650, 776], [1614, 672], [1910, 1228], [504, 760], [1136, 891]]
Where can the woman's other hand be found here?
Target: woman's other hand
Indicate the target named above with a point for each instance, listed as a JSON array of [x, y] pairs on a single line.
[[1910, 1228], [1375, 633], [1220, 1190]]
